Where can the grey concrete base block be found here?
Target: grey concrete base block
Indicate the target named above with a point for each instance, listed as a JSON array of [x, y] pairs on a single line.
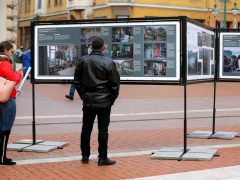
[[198, 154], [17, 147], [200, 134], [170, 149], [27, 141], [40, 148], [168, 153], [59, 144], [200, 150], [224, 135]]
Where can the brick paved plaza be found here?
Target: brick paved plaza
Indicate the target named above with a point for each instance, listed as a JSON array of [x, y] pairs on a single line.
[[144, 119]]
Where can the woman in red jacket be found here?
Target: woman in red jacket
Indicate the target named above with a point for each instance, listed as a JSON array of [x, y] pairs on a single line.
[[8, 109]]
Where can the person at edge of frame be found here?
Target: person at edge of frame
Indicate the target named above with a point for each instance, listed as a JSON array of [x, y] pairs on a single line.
[[97, 82], [8, 109]]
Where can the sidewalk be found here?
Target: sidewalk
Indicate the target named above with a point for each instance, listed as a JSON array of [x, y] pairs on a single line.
[[132, 137]]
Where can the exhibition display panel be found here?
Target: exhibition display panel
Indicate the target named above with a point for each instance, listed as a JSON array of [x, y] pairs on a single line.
[[142, 51]]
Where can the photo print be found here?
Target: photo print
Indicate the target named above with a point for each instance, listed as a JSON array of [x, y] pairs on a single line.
[[199, 68], [155, 68], [89, 34], [86, 49], [200, 53], [122, 51], [122, 34], [155, 33], [58, 59], [155, 51], [124, 67], [199, 39], [231, 60], [192, 62], [206, 61]]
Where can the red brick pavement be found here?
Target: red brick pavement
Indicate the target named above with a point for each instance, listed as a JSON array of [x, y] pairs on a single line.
[[126, 140], [132, 140], [126, 167]]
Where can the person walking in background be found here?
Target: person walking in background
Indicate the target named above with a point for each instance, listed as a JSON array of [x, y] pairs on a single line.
[[71, 92], [8, 109], [97, 82]]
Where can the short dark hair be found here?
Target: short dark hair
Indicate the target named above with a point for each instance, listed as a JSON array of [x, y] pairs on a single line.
[[5, 45], [97, 43]]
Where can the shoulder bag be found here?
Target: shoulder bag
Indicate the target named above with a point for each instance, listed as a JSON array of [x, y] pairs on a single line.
[[6, 88]]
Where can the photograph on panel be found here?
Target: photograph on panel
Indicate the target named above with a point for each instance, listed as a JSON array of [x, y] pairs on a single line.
[[124, 67], [155, 68], [231, 60], [58, 59], [122, 51], [122, 34], [155, 50], [155, 33], [89, 34]]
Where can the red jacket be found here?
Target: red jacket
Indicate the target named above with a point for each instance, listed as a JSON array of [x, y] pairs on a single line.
[[6, 71]]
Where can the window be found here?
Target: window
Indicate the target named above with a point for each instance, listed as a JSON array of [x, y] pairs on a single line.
[[27, 5], [39, 4], [57, 2]]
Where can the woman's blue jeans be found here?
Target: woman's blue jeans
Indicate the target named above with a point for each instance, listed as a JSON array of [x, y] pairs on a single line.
[[7, 114]]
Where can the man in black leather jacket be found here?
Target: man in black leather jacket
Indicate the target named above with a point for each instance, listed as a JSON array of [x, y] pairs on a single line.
[[97, 83]]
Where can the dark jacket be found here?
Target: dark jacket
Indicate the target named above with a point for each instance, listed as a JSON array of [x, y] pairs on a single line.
[[97, 80]]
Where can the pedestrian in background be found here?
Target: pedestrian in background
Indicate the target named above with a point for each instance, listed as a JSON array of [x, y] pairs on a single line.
[[71, 92], [8, 109], [97, 82]]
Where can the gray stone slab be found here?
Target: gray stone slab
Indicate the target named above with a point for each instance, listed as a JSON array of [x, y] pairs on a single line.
[[170, 149], [200, 150], [224, 135], [16, 147], [27, 141], [198, 156], [54, 143], [40, 148], [200, 134], [167, 155]]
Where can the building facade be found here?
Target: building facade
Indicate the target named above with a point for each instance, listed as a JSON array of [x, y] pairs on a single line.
[[8, 20], [44, 10]]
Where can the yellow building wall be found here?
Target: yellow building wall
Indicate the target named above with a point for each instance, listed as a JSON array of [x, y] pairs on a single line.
[[185, 3], [103, 12], [22, 14], [53, 9], [101, 2]]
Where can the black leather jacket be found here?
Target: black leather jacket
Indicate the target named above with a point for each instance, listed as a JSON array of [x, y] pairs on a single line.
[[97, 80]]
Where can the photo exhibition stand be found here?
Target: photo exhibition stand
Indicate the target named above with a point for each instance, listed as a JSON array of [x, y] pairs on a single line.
[[200, 154], [213, 134], [35, 145], [132, 33]]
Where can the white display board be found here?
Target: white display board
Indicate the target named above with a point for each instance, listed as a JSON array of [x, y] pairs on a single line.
[[142, 51], [200, 53], [229, 55]]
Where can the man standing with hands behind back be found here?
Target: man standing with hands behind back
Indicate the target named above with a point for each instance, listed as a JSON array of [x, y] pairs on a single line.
[[97, 82]]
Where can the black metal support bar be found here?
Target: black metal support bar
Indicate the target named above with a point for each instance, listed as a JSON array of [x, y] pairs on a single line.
[[33, 112], [214, 107], [185, 119]]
